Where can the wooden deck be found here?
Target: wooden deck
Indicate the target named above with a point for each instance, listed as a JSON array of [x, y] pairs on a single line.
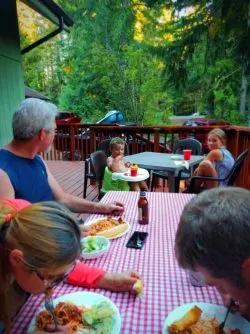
[[70, 176]]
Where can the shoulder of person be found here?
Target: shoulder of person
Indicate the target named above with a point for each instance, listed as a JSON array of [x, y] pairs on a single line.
[[215, 155], [39, 159]]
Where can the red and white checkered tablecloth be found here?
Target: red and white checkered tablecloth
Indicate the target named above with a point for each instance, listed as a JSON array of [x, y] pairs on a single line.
[[166, 285]]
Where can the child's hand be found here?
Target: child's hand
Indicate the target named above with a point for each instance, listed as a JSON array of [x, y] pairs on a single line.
[[119, 282], [119, 157], [127, 164]]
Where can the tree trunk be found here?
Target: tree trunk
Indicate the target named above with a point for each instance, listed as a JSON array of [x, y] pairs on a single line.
[[210, 105], [248, 116], [245, 69], [243, 91]]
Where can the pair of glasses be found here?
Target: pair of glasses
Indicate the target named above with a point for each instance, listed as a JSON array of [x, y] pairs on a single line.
[[58, 280]]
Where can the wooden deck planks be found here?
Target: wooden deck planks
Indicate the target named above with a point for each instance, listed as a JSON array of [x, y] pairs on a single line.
[[70, 176]]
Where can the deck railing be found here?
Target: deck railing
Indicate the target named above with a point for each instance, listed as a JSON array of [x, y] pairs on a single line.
[[77, 141]]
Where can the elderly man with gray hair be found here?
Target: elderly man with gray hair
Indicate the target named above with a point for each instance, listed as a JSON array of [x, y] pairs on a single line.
[[213, 238], [23, 173]]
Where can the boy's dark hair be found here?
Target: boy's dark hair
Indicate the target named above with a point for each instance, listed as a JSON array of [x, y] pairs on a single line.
[[116, 141], [214, 233]]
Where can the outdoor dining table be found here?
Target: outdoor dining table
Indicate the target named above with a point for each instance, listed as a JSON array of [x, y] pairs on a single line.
[[163, 162], [166, 285]]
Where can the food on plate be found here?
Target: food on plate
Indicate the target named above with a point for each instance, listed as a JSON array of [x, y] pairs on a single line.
[[138, 287], [99, 318], [93, 244], [108, 227], [205, 326], [189, 318], [115, 231], [66, 313], [191, 323]]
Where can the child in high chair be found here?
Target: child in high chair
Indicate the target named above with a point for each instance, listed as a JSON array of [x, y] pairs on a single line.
[[115, 164], [218, 162]]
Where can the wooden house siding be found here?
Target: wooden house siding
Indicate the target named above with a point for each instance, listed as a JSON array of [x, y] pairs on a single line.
[[11, 74]]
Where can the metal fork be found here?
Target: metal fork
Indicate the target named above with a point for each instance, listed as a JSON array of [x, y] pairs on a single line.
[[220, 328], [50, 307]]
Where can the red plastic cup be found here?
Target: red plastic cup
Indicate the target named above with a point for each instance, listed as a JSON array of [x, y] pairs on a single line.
[[133, 171], [187, 154]]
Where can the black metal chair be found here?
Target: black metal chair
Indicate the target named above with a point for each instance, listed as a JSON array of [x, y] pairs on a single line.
[[182, 144], [94, 170], [229, 180]]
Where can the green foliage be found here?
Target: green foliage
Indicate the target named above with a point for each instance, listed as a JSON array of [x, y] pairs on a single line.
[[148, 59], [109, 69]]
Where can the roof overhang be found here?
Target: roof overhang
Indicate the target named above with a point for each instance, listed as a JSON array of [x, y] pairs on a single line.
[[33, 93], [52, 12]]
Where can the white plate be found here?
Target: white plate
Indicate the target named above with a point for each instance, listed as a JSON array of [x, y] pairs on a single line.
[[91, 222], [209, 311], [87, 299], [142, 175]]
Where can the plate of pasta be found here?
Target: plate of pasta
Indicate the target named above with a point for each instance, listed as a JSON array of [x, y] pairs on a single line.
[[81, 312], [203, 318], [108, 227]]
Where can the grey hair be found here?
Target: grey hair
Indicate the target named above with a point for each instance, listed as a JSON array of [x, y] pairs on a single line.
[[214, 233], [32, 116]]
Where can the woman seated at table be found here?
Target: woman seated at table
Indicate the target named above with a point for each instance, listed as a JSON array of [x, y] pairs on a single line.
[[218, 162], [39, 246], [115, 164]]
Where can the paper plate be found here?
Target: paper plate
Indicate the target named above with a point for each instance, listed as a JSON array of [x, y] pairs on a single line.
[[142, 175], [87, 299], [91, 222], [209, 311]]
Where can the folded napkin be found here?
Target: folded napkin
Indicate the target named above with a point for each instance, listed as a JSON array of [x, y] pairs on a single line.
[[183, 163]]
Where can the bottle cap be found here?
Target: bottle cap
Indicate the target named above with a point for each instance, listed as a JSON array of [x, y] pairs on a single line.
[[142, 193]]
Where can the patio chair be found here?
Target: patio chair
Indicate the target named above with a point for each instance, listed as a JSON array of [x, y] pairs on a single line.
[[229, 180], [94, 170], [180, 145]]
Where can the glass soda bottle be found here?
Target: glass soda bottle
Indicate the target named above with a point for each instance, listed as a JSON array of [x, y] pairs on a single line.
[[143, 209]]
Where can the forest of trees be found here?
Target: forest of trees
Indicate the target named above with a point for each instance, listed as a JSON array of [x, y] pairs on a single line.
[[149, 59]]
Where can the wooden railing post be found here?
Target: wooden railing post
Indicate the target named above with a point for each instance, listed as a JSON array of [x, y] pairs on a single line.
[[92, 140], [156, 140], [72, 142]]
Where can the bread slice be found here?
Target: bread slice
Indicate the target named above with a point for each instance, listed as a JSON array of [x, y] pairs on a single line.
[[138, 287]]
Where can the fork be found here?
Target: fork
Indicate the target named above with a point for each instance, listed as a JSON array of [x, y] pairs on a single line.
[[50, 307], [220, 328]]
